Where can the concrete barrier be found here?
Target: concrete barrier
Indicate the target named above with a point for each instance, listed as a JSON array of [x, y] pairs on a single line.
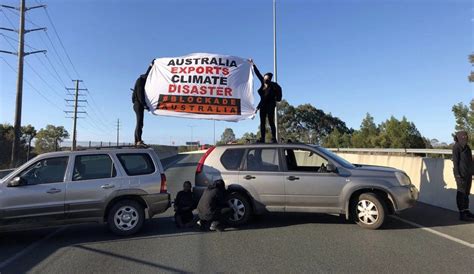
[[432, 176]]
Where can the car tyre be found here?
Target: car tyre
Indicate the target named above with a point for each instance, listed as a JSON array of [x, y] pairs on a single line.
[[126, 217], [242, 210], [369, 211]]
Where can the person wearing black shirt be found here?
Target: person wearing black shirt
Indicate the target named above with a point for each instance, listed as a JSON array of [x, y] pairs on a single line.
[[139, 105], [213, 208], [183, 206], [463, 168], [270, 93]]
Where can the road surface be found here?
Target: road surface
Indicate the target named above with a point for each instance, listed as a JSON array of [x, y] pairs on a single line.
[[422, 240]]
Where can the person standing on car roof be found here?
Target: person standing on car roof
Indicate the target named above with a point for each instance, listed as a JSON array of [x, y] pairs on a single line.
[[212, 207], [463, 171], [139, 105], [270, 93]]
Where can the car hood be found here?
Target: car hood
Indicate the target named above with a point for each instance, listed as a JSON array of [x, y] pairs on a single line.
[[373, 170]]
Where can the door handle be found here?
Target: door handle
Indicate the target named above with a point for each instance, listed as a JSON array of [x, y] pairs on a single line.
[[107, 186], [249, 177], [53, 190], [292, 178]]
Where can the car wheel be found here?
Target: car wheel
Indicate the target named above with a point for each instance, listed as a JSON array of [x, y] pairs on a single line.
[[126, 217], [241, 206], [369, 211]]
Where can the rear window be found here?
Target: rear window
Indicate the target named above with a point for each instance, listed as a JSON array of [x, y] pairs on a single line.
[[91, 167], [136, 163], [231, 158]]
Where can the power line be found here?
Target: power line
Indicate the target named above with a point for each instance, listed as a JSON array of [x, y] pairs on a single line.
[[34, 71], [33, 87]]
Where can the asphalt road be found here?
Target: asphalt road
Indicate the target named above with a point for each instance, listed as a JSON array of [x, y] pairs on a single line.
[[273, 243]]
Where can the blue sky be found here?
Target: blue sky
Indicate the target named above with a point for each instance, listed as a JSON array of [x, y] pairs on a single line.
[[401, 58]]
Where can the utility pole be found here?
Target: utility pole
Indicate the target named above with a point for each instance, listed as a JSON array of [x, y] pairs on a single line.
[[75, 112], [275, 62], [19, 84], [118, 131]]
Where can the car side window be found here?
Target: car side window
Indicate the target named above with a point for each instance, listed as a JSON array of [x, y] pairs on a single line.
[[136, 163], [46, 171], [232, 158], [262, 159], [304, 160], [90, 167]]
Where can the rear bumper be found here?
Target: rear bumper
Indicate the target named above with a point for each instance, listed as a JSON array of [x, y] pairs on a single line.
[[157, 203], [404, 197]]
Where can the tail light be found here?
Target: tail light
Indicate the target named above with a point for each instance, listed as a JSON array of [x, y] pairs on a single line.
[[203, 159], [163, 187]]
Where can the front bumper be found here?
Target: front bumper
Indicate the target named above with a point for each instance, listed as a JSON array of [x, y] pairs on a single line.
[[404, 197], [157, 203]]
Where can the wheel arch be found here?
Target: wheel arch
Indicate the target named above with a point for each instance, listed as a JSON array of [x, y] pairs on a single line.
[[136, 198], [384, 194]]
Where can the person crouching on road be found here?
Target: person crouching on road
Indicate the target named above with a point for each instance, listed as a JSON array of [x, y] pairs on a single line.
[[139, 105], [212, 207], [463, 167], [183, 206]]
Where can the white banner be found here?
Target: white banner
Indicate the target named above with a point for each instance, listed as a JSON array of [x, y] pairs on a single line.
[[201, 86]]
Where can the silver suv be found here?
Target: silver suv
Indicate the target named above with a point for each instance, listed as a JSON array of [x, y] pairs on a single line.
[[120, 187], [304, 178]]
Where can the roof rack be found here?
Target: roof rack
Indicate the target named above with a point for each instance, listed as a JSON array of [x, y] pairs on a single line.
[[111, 147]]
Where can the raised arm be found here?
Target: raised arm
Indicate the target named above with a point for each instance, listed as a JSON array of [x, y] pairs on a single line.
[[257, 72]]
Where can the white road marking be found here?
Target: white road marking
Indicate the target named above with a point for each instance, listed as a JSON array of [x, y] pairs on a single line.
[[451, 238], [30, 248]]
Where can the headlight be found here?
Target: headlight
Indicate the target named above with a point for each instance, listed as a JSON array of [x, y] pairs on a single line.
[[402, 178]]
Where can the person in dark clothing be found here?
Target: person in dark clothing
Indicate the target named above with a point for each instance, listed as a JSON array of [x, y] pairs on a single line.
[[270, 93], [212, 207], [463, 171], [139, 105], [183, 206]]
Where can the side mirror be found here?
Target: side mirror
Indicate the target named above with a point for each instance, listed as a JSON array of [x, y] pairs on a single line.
[[330, 167], [17, 181]]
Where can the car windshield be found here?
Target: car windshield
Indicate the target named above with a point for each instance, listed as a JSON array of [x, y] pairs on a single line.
[[336, 157]]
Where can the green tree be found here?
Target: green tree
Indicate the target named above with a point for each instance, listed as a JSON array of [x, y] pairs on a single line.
[[6, 139], [396, 133], [336, 139], [29, 132], [287, 123], [49, 138], [227, 136], [464, 117], [366, 136], [248, 137]]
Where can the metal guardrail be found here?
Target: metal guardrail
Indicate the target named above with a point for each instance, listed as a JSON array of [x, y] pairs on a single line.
[[395, 150]]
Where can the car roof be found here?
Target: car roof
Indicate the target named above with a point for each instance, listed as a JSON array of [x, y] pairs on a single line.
[[97, 151], [284, 145]]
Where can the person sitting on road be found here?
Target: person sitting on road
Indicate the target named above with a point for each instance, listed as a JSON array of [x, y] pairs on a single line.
[[183, 206], [212, 207]]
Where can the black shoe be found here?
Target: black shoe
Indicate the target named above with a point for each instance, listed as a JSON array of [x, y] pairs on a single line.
[[260, 141], [464, 216], [220, 228], [274, 141], [469, 214]]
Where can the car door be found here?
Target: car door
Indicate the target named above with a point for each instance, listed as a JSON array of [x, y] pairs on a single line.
[[91, 185], [40, 199], [262, 174], [308, 186]]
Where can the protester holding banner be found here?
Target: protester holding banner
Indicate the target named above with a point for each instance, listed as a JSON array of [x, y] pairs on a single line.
[[139, 105], [270, 93], [201, 86]]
